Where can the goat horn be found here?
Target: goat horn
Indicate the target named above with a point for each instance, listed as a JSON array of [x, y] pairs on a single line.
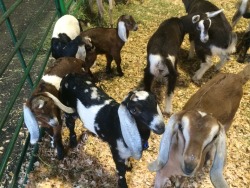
[[164, 145], [59, 104], [31, 123], [214, 13], [216, 172]]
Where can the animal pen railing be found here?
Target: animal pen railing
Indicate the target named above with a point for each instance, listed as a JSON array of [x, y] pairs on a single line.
[[25, 32]]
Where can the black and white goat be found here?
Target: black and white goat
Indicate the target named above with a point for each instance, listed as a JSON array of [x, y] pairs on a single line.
[[66, 41], [243, 10], [164, 45], [125, 127], [222, 40], [197, 133], [109, 41], [244, 44], [44, 109]]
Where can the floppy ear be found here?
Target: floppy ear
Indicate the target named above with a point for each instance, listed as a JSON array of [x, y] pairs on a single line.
[[31, 123], [59, 104], [130, 132], [214, 13], [122, 32], [216, 172], [165, 145]]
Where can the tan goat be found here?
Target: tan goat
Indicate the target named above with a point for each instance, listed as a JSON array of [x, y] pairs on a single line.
[[197, 133]]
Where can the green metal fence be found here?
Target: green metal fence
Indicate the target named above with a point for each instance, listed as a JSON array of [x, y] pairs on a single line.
[[25, 32]]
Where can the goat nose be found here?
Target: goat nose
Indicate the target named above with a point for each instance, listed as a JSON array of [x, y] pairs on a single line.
[[160, 128], [135, 27], [189, 168]]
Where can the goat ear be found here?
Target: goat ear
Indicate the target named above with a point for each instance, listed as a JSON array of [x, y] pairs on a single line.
[[122, 31], [195, 18], [164, 145], [214, 13], [31, 123], [59, 104], [216, 172], [130, 132]]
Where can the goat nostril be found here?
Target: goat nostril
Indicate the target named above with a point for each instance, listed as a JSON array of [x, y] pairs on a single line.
[[189, 168], [160, 129]]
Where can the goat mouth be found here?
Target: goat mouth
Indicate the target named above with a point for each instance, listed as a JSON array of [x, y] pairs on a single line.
[[159, 131]]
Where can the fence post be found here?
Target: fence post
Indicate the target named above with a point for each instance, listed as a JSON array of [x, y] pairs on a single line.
[[60, 7]]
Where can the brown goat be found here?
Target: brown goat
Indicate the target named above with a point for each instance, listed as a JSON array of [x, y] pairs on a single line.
[[109, 41], [197, 133], [40, 108]]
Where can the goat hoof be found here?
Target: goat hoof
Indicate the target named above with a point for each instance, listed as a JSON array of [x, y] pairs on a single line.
[[240, 60], [73, 143], [120, 74]]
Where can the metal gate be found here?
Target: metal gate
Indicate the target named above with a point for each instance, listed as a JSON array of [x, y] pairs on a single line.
[[25, 33]]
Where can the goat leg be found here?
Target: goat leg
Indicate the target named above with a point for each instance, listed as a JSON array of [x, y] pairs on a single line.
[[118, 65], [70, 123], [109, 61], [58, 141]]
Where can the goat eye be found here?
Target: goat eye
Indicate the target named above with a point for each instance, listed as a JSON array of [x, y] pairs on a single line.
[[180, 127], [133, 111], [215, 137], [198, 28]]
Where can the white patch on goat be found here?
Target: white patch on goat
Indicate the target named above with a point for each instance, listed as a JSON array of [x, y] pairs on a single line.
[[94, 94], [41, 103], [140, 95], [89, 119], [53, 80], [157, 120], [124, 152], [186, 127], [53, 122], [203, 68], [122, 31], [86, 91], [81, 52], [243, 6], [172, 59], [67, 24], [203, 36], [88, 82], [202, 113], [213, 131], [168, 103], [157, 68]]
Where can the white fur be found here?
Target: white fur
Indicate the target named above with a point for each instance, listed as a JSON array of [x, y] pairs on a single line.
[[130, 132], [202, 113], [212, 133], [156, 65], [156, 121], [89, 119], [172, 59], [124, 152], [243, 6], [214, 13], [203, 68], [186, 129], [31, 124], [94, 94], [67, 24], [53, 80], [203, 36], [168, 103], [53, 122], [81, 52], [140, 95], [122, 32]]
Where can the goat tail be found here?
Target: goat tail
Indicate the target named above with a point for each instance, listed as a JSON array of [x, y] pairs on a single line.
[[60, 104], [245, 74]]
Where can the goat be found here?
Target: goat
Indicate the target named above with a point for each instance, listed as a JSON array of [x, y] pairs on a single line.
[[222, 40], [125, 127], [244, 44], [66, 41], [243, 10], [197, 133], [109, 41], [164, 45], [43, 108]]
